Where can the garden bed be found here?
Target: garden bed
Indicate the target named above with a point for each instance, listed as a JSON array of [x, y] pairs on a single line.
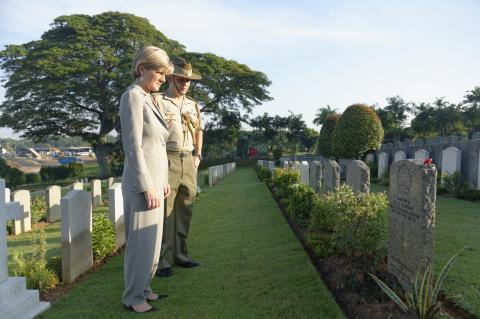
[[358, 295]]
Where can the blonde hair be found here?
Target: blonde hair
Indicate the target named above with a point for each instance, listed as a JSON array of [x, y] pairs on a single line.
[[152, 58]]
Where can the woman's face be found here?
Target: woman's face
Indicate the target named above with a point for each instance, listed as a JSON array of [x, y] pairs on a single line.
[[151, 79]]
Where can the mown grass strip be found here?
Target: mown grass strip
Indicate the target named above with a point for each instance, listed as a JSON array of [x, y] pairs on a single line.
[[252, 266]]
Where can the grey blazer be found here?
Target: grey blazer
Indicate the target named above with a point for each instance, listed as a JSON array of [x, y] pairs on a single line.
[[144, 134]]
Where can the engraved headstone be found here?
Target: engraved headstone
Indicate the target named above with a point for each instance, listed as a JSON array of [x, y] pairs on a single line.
[[52, 197], [412, 196], [315, 176], [271, 165], [382, 163], [96, 192], [400, 155], [358, 176], [115, 208], [451, 160], [110, 182], [304, 171], [77, 186], [421, 154], [76, 238], [331, 175], [24, 223], [15, 300]]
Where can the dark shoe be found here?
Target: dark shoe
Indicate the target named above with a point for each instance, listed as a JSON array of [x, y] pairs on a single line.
[[142, 308], [154, 297], [164, 272], [189, 264]]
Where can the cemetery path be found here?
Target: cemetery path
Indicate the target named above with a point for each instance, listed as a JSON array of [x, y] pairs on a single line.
[[251, 266]]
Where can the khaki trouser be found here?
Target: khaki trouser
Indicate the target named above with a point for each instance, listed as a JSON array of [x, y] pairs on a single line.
[[182, 177]]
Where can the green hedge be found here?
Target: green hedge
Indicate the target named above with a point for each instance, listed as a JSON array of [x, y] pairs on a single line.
[[53, 173]]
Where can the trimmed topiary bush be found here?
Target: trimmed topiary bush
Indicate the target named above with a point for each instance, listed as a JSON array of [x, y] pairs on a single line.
[[358, 131], [324, 145]]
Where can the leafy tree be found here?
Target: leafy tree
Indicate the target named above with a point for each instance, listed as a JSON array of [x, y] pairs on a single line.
[[70, 81], [438, 119], [295, 128], [322, 115], [324, 145], [358, 131], [393, 117], [471, 107], [308, 138]]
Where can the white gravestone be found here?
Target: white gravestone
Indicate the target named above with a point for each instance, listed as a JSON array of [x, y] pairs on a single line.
[[421, 154], [15, 300], [24, 223], [96, 192], [115, 207], [271, 165], [110, 182], [370, 157], [77, 254], [451, 160], [52, 197], [400, 155], [382, 163], [77, 186], [304, 173]]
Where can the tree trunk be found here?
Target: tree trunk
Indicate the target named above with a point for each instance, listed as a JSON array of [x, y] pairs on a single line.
[[102, 152]]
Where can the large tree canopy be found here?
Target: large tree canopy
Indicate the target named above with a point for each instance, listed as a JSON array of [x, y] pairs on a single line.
[[70, 81]]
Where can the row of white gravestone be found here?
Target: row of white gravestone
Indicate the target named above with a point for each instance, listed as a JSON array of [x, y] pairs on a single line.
[[451, 159], [328, 171], [23, 222], [216, 173], [15, 300], [268, 164]]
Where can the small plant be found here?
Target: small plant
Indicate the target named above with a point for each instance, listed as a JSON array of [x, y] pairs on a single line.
[[34, 266], [263, 173], [454, 184], [282, 180], [38, 209], [299, 202], [347, 223], [423, 299], [103, 236]]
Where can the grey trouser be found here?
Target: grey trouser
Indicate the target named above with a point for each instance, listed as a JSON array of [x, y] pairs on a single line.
[[143, 233]]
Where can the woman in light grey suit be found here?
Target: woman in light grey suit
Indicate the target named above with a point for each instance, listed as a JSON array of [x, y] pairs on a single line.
[[145, 176]]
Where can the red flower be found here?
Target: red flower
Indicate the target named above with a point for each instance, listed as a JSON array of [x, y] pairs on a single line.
[[428, 161]]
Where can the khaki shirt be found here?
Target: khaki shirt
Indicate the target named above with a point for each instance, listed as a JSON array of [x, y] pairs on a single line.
[[180, 138]]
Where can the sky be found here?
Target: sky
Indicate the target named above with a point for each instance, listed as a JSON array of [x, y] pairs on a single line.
[[316, 53]]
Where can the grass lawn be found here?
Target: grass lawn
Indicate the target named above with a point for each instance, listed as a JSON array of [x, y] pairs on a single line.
[[457, 224], [252, 266]]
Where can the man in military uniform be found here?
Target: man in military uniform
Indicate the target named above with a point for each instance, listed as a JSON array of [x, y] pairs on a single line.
[[186, 135]]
